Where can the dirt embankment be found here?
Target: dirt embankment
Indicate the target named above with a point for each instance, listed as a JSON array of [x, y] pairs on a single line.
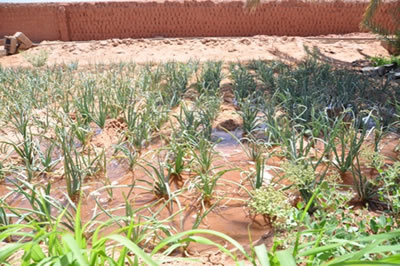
[[333, 48]]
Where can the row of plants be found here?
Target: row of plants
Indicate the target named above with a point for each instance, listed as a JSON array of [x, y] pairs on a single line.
[[322, 123]]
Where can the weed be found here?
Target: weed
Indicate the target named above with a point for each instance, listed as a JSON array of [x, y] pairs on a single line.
[[379, 61], [388, 192], [272, 203], [37, 59]]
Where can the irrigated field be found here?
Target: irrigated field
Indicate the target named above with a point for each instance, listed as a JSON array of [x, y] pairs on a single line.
[[124, 163]]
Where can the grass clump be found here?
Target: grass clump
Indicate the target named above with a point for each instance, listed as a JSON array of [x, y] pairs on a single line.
[[37, 59]]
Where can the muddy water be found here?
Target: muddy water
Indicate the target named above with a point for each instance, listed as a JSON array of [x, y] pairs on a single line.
[[230, 215]]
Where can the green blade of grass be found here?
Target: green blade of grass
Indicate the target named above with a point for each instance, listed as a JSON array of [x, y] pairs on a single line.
[[262, 255], [9, 249], [134, 248], [285, 258], [75, 249]]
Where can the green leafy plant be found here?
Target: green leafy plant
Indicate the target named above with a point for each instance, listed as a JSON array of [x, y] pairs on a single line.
[[346, 145], [389, 192], [207, 183], [210, 77], [176, 163], [243, 83], [366, 190], [129, 152], [272, 204], [302, 176], [160, 184], [249, 113], [380, 61]]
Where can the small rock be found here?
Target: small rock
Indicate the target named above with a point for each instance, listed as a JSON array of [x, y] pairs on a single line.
[[369, 122], [245, 41], [391, 66], [381, 71], [372, 71]]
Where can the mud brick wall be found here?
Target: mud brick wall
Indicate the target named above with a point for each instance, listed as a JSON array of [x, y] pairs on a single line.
[[38, 21], [196, 18]]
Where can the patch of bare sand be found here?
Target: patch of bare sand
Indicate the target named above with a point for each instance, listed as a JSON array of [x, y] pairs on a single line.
[[344, 48]]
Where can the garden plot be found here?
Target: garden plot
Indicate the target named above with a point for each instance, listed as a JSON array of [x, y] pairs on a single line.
[[127, 164]]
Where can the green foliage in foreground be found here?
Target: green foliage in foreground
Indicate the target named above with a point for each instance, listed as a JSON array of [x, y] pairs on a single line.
[[42, 244], [380, 61], [318, 118]]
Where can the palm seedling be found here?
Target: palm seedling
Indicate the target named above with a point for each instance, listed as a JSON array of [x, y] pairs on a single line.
[[26, 150], [82, 132], [275, 126], [254, 148], [85, 100], [297, 144], [73, 166], [160, 179], [138, 131], [243, 83], [46, 158], [366, 191], [176, 163], [207, 108], [203, 154], [43, 208], [249, 114], [207, 184], [210, 78], [265, 72], [346, 144], [100, 112], [177, 76], [189, 123], [128, 151]]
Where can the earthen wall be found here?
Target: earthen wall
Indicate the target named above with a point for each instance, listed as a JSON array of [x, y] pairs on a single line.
[[198, 18]]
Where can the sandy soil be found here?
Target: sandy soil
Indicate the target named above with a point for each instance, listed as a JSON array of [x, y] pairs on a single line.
[[342, 49], [339, 48]]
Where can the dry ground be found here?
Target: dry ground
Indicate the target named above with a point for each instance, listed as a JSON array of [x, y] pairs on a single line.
[[344, 48]]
